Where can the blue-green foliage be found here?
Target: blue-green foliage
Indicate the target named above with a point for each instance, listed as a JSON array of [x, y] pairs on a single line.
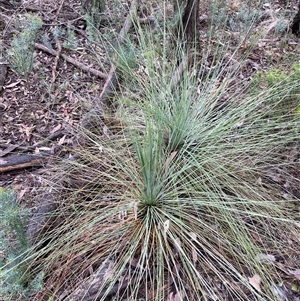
[[92, 24], [20, 54], [70, 38], [240, 18], [14, 250]]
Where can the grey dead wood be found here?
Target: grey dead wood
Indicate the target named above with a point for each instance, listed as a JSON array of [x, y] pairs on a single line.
[[89, 288], [3, 72], [16, 162]]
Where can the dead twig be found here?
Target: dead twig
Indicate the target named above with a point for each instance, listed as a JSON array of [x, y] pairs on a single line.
[[60, 7], [56, 60], [72, 61], [8, 148], [53, 136]]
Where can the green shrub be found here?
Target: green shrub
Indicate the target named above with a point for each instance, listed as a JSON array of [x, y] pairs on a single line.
[[276, 77], [21, 52], [92, 24], [14, 281], [282, 84], [71, 39]]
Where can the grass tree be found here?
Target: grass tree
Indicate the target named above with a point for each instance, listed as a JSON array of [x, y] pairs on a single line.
[[174, 196]]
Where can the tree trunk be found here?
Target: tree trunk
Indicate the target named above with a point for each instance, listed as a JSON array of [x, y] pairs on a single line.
[[296, 23], [93, 6], [188, 24]]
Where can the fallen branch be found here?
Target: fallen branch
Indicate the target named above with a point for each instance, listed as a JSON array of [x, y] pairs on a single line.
[[72, 61], [21, 161]]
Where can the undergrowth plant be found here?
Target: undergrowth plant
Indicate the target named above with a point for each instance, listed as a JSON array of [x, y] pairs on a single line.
[[92, 24], [277, 80], [277, 77], [172, 195], [14, 250], [21, 53], [71, 40]]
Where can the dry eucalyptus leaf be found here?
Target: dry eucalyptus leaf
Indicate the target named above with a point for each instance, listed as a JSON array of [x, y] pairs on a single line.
[[255, 281], [194, 256], [55, 129], [61, 140], [175, 297], [166, 227], [12, 85], [135, 210]]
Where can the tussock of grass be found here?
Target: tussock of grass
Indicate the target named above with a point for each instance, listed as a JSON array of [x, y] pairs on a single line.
[[179, 198]]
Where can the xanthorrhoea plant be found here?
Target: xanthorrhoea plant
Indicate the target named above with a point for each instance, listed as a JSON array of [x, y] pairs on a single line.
[[179, 202]]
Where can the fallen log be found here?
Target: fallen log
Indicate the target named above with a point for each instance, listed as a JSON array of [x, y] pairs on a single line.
[[16, 162]]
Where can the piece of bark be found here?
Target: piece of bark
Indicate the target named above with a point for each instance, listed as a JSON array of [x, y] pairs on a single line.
[[41, 219], [3, 72], [89, 289], [187, 29], [16, 162]]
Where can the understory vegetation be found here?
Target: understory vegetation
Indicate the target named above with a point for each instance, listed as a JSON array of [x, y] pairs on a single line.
[[180, 189]]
